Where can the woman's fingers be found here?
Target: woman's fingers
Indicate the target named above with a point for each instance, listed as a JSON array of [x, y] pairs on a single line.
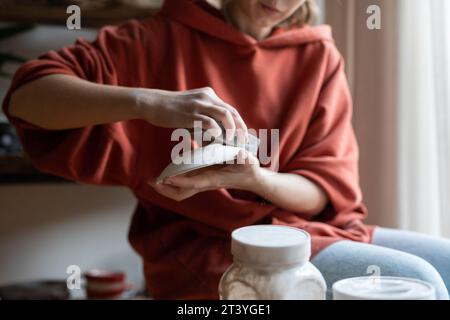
[[222, 116], [202, 181], [241, 127], [179, 109], [172, 192], [179, 189], [208, 123], [223, 113]]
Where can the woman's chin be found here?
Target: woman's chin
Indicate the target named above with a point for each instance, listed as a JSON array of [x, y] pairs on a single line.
[[266, 23]]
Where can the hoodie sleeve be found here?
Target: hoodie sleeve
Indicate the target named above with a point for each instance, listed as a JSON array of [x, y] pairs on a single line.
[[328, 154], [102, 154]]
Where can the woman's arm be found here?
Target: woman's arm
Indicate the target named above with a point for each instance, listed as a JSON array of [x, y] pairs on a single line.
[[64, 102], [58, 102], [292, 192]]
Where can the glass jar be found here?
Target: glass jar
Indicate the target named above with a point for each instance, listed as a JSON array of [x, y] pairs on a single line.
[[271, 263]]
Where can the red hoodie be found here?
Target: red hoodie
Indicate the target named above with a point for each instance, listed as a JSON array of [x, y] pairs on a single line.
[[293, 81]]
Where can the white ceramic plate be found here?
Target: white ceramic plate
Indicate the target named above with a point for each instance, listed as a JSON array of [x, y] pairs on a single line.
[[210, 155]]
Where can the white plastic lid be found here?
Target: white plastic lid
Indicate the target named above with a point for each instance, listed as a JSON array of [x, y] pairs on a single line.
[[383, 288], [271, 245]]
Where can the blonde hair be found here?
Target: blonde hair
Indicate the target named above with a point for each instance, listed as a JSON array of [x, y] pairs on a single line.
[[306, 14]]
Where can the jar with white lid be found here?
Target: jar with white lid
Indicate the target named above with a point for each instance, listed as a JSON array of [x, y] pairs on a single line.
[[271, 263]]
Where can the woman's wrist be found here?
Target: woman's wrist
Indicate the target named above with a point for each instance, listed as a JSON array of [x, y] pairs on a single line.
[[140, 103], [258, 181]]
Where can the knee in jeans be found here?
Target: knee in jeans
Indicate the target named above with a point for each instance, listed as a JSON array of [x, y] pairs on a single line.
[[418, 268], [411, 266]]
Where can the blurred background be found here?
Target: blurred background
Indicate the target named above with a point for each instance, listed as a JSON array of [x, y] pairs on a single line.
[[400, 80]]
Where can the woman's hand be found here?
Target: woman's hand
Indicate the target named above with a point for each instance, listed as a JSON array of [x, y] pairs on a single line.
[[180, 109], [289, 191], [241, 175]]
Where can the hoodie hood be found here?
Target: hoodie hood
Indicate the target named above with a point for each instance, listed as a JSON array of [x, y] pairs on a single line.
[[201, 16]]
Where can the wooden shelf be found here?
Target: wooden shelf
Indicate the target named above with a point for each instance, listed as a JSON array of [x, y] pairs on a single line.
[[56, 15]]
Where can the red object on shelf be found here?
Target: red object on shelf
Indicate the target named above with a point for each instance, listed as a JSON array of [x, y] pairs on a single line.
[[104, 284]]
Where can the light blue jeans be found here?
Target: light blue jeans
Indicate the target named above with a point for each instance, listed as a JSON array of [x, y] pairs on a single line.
[[397, 253]]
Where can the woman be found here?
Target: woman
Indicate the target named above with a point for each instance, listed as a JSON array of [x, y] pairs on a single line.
[[103, 113]]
